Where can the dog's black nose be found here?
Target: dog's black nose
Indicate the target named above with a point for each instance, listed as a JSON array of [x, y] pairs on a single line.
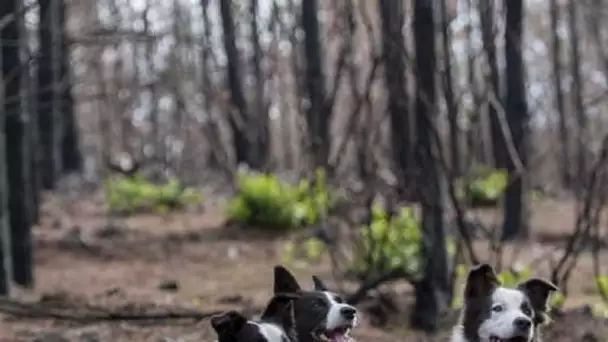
[[348, 312], [522, 324]]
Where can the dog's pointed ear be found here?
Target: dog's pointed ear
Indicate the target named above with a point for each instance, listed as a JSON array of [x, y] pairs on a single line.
[[538, 291], [481, 281], [318, 284], [284, 281], [228, 321]]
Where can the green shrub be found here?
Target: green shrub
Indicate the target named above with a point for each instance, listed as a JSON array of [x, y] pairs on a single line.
[[389, 242], [484, 187], [129, 195], [265, 201]]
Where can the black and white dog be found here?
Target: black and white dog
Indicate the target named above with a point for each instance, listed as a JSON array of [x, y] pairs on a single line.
[[493, 313], [320, 315], [277, 324]]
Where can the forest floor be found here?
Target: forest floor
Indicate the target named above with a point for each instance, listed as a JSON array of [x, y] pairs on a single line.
[[192, 261]]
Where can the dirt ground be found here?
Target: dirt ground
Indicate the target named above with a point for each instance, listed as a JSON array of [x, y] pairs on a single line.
[[191, 261]]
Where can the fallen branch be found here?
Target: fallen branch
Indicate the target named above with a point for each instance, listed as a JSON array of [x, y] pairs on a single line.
[[33, 311]]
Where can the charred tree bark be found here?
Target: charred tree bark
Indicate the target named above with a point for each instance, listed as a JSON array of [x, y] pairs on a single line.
[[217, 156], [433, 291], [448, 86], [238, 117], [318, 115], [566, 172], [577, 97], [393, 46], [49, 115], [262, 136], [71, 158], [28, 106], [499, 148], [18, 147], [6, 261], [515, 214]]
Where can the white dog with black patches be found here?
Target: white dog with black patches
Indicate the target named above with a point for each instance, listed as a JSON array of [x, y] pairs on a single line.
[[493, 313], [320, 315]]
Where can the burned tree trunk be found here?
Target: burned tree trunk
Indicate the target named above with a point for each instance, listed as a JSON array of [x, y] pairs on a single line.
[[577, 97], [564, 135], [515, 215], [238, 116], [18, 149], [393, 46], [448, 87], [318, 115], [49, 113], [6, 261], [28, 106], [262, 136], [71, 158], [499, 149], [433, 291]]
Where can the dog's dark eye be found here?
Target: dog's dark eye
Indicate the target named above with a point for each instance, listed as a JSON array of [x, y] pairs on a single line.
[[526, 310], [497, 308], [339, 299]]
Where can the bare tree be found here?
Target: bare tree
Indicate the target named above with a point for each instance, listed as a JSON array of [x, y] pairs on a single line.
[[564, 134], [260, 124], [518, 118], [393, 46], [71, 158], [456, 156], [6, 262], [318, 114], [434, 290], [216, 155], [499, 149], [49, 97], [18, 149], [238, 115], [577, 93]]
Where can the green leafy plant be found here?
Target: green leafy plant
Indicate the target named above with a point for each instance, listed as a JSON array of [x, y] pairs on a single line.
[[389, 242], [265, 201], [484, 187], [129, 195]]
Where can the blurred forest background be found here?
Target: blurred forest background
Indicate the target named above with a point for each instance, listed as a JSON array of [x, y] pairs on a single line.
[[154, 153]]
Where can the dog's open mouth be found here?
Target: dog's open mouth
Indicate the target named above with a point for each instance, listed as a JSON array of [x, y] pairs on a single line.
[[339, 334], [512, 339]]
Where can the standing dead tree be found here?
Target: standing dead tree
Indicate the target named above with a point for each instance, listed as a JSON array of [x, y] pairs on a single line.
[[556, 47], [499, 149], [393, 47], [433, 291], [318, 113], [515, 214], [577, 93], [49, 97], [18, 145], [239, 116], [71, 158], [6, 262]]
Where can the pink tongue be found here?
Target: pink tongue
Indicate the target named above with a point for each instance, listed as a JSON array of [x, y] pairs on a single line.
[[340, 338]]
